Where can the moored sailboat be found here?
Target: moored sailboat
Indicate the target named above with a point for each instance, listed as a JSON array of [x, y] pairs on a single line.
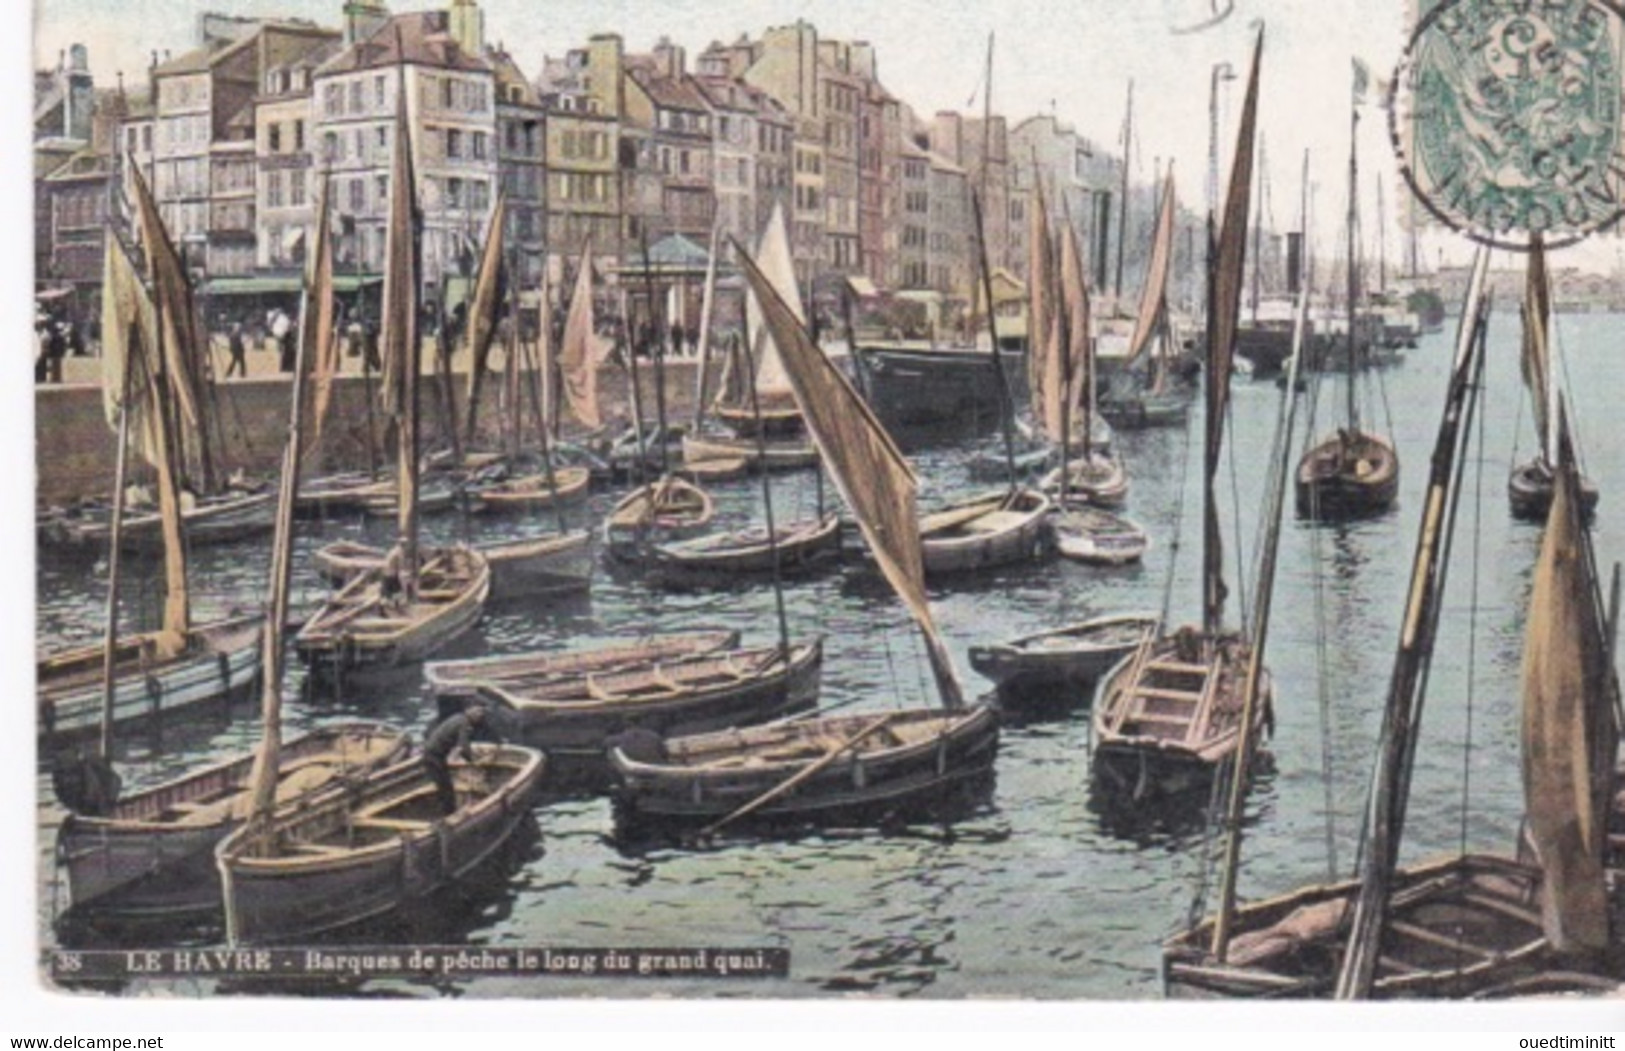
[[1181, 705], [420, 598], [824, 767]]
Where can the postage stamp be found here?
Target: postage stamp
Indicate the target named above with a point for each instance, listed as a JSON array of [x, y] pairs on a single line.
[[1508, 118]]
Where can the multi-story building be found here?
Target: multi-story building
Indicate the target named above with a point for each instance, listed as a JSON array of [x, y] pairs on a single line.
[[1077, 180], [521, 163], [948, 233], [581, 95], [287, 182], [204, 130], [432, 64], [742, 135], [914, 218], [844, 73], [64, 99], [880, 139], [672, 119]]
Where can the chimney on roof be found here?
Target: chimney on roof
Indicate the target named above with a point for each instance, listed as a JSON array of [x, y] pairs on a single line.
[[363, 18], [467, 26], [670, 60]]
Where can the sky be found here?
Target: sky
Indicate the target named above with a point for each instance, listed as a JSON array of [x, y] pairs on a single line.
[[1071, 57]]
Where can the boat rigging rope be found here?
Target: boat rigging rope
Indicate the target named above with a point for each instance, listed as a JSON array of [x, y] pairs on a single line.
[[1210, 854], [1177, 531], [1382, 390], [1235, 511], [1568, 384], [1472, 633]]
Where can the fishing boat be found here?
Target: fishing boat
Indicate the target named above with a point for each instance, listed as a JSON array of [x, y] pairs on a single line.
[[915, 383], [1069, 658], [771, 410], [1171, 713], [461, 679], [994, 529], [529, 492], [827, 767], [420, 598], [152, 855], [1355, 472], [377, 848], [669, 508], [1096, 478], [224, 517], [1472, 923], [572, 717], [1529, 486], [1144, 396], [769, 454], [527, 567], [1087, 534], [297, 871], [182, 664], [720, 559]]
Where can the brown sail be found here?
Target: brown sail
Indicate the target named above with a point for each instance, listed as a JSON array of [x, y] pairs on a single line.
[[1153, 295], [873, 476], [398, 337], [1569, 734], [1043, 366], [316, 331]]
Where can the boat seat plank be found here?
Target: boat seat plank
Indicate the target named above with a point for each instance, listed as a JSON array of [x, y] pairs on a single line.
[[1392, 964], [318, 848], [1504, 907], [1176, 667], [393, 823], [1151, 717], [1165, 694], [1411, 930]]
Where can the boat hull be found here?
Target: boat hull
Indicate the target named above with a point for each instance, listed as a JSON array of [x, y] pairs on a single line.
[[540, 566], [533, 492], [1529, 492], [464, 678], [378, 849], [895, 778], [1146, 411], [1292, 945], [1348, 477], [214, 521], [701, 563], [219, 659], [1099, 538], [957, 540], [153, 857], [924, 385], [1071, 658], [783, 453], [575, 728]]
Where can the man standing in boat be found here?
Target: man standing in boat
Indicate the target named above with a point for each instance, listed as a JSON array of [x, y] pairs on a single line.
[[453, 736]]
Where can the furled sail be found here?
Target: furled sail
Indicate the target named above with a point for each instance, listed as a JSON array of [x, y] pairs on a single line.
[[316, 327], [482, 313], [1568, 721], [398, 336], [1154, 294], [1537, 356], [1075, 372], [1040, 318], [871, 473], [581, 352]]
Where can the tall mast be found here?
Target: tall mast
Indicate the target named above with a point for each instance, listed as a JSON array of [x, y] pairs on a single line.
[[1353, 284], [1122, 197], [1390, 779]]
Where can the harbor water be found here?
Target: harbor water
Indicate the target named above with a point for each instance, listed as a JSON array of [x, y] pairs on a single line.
[[1043, 891]]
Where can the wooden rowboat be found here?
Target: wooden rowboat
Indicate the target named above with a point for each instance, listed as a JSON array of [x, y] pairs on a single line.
[[721, 558], [372, 850], [572, 718], [667, 509], [551, 564], [1099, 479], [994, 530], [1066, 658], [364, 627], [532, 492], [1349, 475], [211, 520], [1088, 534], [876, 763], [773, 454], [213, 661], [153, 855], [1454, 927], [1529, 490], [525, 670], [1168, 715]]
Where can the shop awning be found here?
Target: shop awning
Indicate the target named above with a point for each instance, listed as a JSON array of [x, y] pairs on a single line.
[[275, 284]]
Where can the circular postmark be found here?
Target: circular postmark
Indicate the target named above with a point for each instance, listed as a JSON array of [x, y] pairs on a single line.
[[1505, 116]]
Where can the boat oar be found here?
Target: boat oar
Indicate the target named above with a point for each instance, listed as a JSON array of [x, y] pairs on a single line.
[[800, 776]]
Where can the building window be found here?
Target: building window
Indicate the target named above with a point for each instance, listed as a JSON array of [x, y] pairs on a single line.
[[454, 193], [273, 138], [454, 143], [380, 137], [330, 146], [296, 188], [355, 96], [378, 91], [479, 145], [381, 184], [273, 190], [446, 93], [299, 136], [333, 100], [358, 193]]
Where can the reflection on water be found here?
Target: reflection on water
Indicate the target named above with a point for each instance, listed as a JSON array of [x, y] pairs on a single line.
[[1041, 889]]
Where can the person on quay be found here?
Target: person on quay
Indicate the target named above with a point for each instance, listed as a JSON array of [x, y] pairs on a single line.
[[235, 343], [454, 735], [282, 332]]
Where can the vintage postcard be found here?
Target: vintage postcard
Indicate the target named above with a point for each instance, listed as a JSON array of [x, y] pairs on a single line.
[[804, 501]]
